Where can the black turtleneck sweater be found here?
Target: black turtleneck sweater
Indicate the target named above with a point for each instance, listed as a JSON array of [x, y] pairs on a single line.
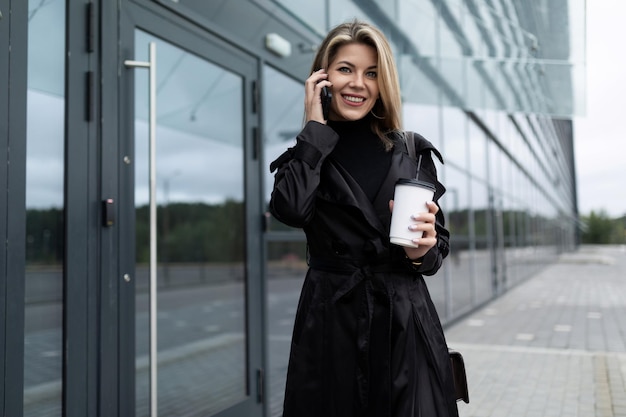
[[361, 153]]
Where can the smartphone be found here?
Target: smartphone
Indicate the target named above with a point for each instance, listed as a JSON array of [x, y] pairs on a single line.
[[327, 97]]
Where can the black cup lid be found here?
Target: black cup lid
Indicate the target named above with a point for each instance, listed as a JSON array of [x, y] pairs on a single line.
[[414, 182]]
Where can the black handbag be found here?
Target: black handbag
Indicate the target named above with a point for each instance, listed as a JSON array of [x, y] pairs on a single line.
[[459, 376]]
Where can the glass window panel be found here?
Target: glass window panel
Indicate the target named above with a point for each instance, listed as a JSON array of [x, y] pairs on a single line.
[[475, 85], [482, 235], [423, 120], [477, 151], [455, 202], [517, 144], [577, 33], [501, 26], [505, 130], [491, 119], [286, 267], [43, 327], [498, 245], [495, 157], [529, 92], [422, 15], [345, 10], [455, 148], [414, 85], [480, 205], [486, 18], [283, 101], [516, 88], [509, 221], [310, 13], [470, 24], [201, 316], [455, 206], [516, 35], [451, 43], [454, 72], [506, 86], [437, 289], [283, 115], [494, 99], [579, 89], [389, 7]]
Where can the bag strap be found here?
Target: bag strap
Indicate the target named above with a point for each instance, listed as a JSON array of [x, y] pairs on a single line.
[[414, 140], [409, 138], [410, 144]]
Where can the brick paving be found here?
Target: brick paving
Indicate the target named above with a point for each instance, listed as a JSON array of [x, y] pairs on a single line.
[[554, 345]]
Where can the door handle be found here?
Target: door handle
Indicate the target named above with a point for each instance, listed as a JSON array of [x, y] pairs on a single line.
[[108, 212], [151, 66]]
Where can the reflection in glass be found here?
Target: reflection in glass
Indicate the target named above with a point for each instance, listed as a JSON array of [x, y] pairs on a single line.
[[423, 120], [482, 221], [283, 115], [495, 158], [477, 151], [455, 204], [454, 71], [416, 86], [475, 84], [286, 268], [286, 256], [421, 14], [201, 238], [455, 147], [43, 339], [345, 10], [310, 13]]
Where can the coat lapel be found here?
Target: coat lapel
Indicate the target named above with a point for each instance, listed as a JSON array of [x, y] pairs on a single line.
[[345, 190], [401, 167]]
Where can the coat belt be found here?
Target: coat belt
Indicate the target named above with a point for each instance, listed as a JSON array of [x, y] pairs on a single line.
[[375, 292]]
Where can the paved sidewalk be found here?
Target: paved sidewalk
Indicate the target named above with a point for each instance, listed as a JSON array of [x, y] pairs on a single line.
[[553, 346]]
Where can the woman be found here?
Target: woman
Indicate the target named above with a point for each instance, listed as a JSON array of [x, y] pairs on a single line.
[[367, 340]]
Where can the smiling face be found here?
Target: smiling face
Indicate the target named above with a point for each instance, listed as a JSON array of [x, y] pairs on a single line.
[[354, 75]]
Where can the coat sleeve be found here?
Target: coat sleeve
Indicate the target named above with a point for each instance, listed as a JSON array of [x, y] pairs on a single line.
[[434, 258], [295, 184]]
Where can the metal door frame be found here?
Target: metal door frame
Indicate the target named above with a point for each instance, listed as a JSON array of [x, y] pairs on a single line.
[[118, 260], [13, 84], [80, 230]]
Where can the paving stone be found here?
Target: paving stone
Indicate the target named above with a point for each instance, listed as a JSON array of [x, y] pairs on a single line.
[[555, 345]]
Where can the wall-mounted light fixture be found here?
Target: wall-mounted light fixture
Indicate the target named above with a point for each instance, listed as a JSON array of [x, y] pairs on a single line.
[[277, 45], [307, 48]]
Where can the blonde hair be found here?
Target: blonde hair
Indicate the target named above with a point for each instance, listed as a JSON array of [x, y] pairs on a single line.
[[388, 109]]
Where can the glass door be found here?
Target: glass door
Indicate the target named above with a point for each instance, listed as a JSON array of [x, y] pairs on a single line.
[[196, 282], [45, 206]]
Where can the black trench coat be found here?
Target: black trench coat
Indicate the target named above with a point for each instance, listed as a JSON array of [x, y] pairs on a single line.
[[367, 340]]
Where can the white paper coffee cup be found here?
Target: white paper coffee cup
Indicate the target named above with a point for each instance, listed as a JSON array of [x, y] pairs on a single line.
[[410, 197]]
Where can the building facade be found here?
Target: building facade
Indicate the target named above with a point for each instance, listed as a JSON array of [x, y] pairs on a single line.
[[140, 272]]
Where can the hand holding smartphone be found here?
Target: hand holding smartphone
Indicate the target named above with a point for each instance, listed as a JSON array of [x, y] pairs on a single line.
[[327, 97]]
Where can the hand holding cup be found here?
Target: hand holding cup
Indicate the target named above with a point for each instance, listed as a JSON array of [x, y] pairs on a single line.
[[413, 217]]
